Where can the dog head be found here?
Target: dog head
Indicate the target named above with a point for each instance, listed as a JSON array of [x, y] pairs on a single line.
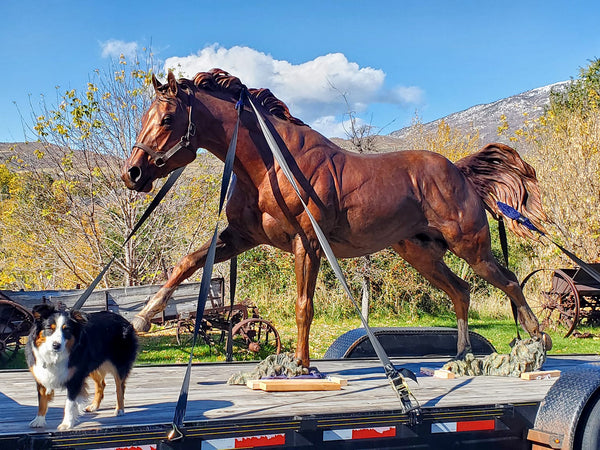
[[55, 332]]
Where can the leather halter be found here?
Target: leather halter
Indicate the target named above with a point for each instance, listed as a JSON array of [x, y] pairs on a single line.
[[160, 158]]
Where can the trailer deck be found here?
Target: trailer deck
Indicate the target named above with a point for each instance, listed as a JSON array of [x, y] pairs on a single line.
[[216, 409]]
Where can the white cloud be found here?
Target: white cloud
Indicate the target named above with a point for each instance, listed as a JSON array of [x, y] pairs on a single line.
[[315, 91], [404, 95], [114, 48], [330, 126]]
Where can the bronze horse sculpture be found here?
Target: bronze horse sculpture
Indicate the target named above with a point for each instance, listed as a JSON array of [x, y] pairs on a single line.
[[417, 202]]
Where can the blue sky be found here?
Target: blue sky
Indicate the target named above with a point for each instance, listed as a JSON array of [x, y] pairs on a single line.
[[390, 58]]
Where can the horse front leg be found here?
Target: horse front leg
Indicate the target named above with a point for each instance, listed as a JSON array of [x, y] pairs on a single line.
[[229, 245], [306, 268]]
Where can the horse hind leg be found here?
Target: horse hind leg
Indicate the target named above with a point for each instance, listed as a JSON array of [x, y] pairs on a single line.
[[425, 255], [487, 267]]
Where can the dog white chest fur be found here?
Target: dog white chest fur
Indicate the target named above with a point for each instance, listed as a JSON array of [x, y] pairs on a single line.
[[51, 367]]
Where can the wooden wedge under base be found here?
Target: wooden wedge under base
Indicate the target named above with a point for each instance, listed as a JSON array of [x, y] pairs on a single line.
[[540, 375], [297, 384], [437, 373]]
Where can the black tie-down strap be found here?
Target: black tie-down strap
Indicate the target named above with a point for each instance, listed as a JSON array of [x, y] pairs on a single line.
[[394, 375], [504, 247], [232, 285], [151, 207], [176, 432]]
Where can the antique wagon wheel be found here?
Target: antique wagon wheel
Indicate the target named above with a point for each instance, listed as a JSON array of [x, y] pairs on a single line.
[[15, 323], [184, 333], [553, 298], [256, 335]]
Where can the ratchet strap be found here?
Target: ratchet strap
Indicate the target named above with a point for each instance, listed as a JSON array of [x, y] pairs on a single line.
[[181, 407], [395, 376], [513, 214], [151, 207]]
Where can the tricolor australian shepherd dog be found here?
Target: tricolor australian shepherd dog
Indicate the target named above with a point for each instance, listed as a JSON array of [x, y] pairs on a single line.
[[64, 348]]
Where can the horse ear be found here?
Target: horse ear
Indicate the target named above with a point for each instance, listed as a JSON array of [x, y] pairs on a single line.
[[172, 83], [155, 83]]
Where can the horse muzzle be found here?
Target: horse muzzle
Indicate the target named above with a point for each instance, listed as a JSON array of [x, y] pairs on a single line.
[[135, 179]]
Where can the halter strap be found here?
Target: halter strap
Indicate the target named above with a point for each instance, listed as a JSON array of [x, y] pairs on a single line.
[[161, 158]]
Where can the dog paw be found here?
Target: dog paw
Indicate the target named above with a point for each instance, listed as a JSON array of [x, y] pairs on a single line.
[[38, 422], [65, 426], [119, 412], [91, 408]]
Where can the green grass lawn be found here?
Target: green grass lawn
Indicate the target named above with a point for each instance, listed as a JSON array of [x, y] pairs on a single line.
[[160, 345]]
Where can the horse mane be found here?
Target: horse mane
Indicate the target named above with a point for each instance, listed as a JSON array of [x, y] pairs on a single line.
[[221, 81]]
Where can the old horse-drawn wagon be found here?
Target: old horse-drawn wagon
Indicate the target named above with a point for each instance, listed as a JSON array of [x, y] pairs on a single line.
[[563, 296], [249, 332], [15, 322]]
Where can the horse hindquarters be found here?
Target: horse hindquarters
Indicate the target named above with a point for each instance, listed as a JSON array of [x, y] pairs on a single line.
[[497, 173]]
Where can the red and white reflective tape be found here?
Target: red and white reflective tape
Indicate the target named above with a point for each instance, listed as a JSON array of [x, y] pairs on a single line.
[[347, 434], [469, 425], [264, 440]]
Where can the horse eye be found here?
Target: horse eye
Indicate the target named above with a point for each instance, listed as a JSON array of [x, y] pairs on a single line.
[[166, 121]]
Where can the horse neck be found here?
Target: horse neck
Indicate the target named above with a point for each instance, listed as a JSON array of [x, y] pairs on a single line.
[[215, 122], [253, 156]]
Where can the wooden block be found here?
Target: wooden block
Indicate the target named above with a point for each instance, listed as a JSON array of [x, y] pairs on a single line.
[[297, 384], [341, 381], [441, 373], [437, 373], [253, 384], [540, 375]]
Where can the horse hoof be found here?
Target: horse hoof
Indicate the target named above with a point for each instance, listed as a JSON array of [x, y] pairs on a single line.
[[302, 362], [547, 341], [140, 324]]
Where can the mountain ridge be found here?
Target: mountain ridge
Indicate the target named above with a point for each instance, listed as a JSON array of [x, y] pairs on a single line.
[[487, 117]]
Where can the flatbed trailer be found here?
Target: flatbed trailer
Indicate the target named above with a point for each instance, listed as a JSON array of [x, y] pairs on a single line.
[[465, 412]]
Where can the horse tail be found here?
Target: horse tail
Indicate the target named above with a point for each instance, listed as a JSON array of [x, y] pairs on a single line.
[[498, 173]]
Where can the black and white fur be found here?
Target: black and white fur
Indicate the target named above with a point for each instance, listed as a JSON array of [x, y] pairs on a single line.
[[63, 349]]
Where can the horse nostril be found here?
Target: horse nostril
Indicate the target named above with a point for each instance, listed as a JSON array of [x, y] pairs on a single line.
[[135, 173]]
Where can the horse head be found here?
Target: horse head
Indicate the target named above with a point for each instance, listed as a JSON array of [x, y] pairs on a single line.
[[166, 140]]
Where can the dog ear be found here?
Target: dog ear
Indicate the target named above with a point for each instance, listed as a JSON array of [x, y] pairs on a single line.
[[42, 311], [78, 316]]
